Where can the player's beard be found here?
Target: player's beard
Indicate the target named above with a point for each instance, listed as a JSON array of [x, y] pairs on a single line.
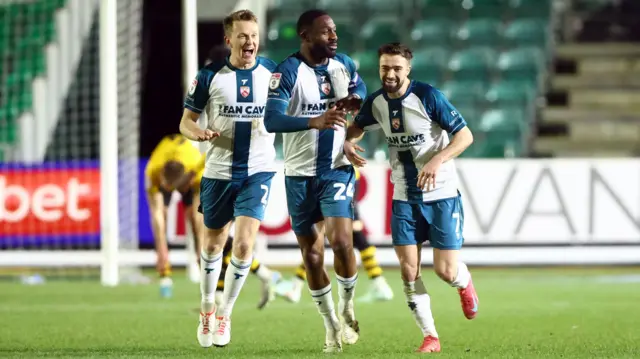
[[393, 88], [322, 51]]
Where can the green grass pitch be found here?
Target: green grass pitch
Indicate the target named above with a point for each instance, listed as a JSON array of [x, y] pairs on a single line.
[[523, 313]]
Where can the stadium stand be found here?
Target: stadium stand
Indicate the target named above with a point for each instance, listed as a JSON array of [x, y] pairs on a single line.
[[491, 57], [25, 28]]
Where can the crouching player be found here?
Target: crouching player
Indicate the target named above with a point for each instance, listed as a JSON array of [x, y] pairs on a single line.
[[175, 164], [417, 119]]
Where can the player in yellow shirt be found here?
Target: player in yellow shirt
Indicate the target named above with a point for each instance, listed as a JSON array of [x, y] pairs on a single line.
[[175, 165], [379, 289]]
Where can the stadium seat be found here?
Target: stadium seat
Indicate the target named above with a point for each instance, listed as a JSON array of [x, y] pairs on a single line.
[[429, 64], [486, 9], [347, 35], [511, 93], [372, 81], [467, 94], [440, 9], [480, 32], [521, 64], [539, 9], [339, 7], [502, 133], [469, 113], [377, 32], [366, 62], [282, 35], [528, 32], [393, 8], [509, 120], [436, 32], [473, 64], [291, 8]]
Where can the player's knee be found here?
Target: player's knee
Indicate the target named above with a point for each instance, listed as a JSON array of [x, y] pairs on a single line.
[[312, 257], [342, 242], [242, 248], [214, 241], [446, 272], [211, 247], [409, 271]]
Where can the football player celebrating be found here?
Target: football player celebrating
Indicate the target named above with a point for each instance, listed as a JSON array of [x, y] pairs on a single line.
[[268, 278], [417, 120], [310, 93], [240, 164]]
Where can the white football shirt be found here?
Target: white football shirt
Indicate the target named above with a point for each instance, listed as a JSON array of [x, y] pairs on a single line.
[[417, 127], [235, 101], [300, 90]]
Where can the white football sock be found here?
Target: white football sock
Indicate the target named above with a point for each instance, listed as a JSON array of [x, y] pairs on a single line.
[[420, 305], [462, 277], [234, 279], [210, 268], [324, 303], [263, 273], [346, 292]]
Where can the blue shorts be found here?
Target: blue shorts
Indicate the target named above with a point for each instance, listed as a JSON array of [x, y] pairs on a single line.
[[223, 200], [310, 199], [440, 222]]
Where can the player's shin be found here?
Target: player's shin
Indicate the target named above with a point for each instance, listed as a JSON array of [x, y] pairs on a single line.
[[210, 268], [461, 280], [419, 303], [240, 264], [233, 282]]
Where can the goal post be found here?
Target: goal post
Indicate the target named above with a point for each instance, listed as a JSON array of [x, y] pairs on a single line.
[[109, 217]]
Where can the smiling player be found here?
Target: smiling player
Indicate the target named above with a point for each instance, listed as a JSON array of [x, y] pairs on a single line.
[[417, 120], [240, 163], [309, 94]]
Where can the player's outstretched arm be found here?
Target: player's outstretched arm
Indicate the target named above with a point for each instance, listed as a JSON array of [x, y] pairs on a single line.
[[276, 121]]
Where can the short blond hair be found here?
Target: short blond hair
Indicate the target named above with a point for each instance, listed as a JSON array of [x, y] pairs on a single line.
[[240, 15]]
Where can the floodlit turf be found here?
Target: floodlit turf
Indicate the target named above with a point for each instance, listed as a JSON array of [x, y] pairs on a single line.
[[533, 313]]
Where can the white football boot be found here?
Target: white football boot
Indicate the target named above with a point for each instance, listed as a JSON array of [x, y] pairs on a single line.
[[291, 290], [333, 339], [350, 327], [222, 333], [379, 291], [205, 334]]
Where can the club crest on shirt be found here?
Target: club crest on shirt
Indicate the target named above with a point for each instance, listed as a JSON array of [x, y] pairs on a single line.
[[395, 122], [326, 88], [192, 88], [245, 91], [275, 80]]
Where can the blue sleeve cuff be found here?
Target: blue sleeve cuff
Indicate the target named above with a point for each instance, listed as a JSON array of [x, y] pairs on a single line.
[[275, 120]]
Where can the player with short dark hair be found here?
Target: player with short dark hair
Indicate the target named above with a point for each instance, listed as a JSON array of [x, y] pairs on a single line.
[[240, 164], [417, 120], [310, 93]]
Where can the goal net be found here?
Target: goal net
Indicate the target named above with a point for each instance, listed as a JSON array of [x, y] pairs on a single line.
[[52, 139]]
